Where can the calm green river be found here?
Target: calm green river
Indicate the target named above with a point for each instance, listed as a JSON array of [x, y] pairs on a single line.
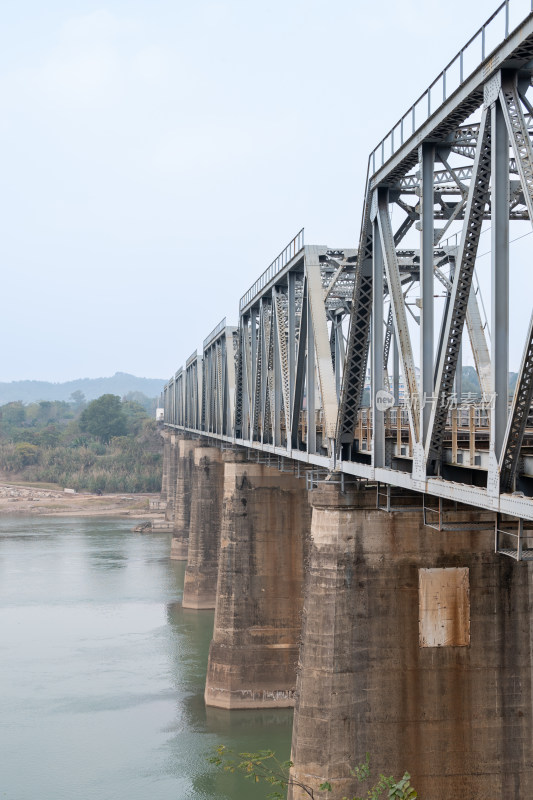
[[102, 671]]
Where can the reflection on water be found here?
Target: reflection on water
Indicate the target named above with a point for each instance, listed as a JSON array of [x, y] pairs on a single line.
[[102, 671]]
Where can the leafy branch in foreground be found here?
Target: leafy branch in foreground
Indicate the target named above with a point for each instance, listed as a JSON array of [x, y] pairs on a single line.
[[260, 766], [264, 766]]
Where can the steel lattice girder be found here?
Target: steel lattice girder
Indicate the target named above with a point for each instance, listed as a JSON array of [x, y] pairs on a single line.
[[282, 352], [358, 337], [477, 198]]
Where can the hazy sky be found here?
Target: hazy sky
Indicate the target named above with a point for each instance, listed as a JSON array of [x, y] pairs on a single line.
[[156, 155]]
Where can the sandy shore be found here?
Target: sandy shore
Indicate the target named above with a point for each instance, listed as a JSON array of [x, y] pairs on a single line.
[[29, 500]]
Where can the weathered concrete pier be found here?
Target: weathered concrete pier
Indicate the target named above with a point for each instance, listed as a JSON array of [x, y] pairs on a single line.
[[204, 528], [254, 652], [368, 550], [179, 494], [412, 645]]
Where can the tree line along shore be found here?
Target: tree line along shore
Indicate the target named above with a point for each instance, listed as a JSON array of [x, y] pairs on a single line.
[[109, 445]]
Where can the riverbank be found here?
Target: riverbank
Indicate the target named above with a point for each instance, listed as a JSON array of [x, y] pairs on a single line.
[[40, 500]]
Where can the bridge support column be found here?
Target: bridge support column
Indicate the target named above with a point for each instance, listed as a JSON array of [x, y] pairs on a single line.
[[416, 649], [171, 473], [324, 733], [182, 500], [253, 655], [166, 464], [200, 587]]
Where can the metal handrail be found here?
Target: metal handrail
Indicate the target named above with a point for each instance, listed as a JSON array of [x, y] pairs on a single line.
[[286, 255], [408, 124], [214, 333], [191, 359]]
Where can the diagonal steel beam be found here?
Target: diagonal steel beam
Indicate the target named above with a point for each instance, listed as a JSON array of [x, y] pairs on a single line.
[[324, 363], [518, 135], [399, 315], [353, 379], [269, 420], [219, 397], [276, 373], [462, 282], [518, 417], [386, 347], [256, 413], [299, 378], [403, 229], [338, 272], [283, 358]]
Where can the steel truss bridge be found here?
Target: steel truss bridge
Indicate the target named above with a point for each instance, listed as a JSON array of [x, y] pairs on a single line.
[[288, 382]]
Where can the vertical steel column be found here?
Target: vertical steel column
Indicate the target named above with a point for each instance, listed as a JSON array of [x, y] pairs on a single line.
[[208, 361], [247, 433], [459, 376], [427, 367], [297, 397], [310, 384], [499, 276], [292, 332], [276, 374], [254, 360], [378, 429], [339, 354], [395, 370]]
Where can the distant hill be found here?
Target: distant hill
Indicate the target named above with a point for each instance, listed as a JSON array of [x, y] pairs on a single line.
[[120, 383], [471, 382]]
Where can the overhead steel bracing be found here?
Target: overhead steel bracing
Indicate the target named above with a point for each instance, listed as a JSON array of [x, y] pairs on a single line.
[[293, 377]]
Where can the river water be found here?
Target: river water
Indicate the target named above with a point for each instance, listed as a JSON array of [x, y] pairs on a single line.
[[102, 671]]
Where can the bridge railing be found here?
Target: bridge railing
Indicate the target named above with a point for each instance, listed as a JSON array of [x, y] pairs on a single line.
[[507, 16], [214, 333], [191, 358], [286, 255]]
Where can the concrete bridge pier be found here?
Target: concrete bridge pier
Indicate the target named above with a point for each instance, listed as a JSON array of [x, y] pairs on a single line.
[[166, 464], [416, 649], [254, 651], [324, 733], [207, 485], [170, 466], [182, 500]]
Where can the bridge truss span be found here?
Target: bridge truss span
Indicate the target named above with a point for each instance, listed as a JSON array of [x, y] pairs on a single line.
[[350, 359]]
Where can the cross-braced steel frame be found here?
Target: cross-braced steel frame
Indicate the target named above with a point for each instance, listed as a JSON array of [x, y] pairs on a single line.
[[323, 366]]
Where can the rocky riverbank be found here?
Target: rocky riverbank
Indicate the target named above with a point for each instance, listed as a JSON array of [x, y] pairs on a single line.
[[27, 500]]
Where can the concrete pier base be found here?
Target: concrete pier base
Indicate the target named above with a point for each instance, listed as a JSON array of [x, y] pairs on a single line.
[[166, 462], [416, 649], [170, 466], [182, 502], [324, 734], [207, 481], [253, 655]]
